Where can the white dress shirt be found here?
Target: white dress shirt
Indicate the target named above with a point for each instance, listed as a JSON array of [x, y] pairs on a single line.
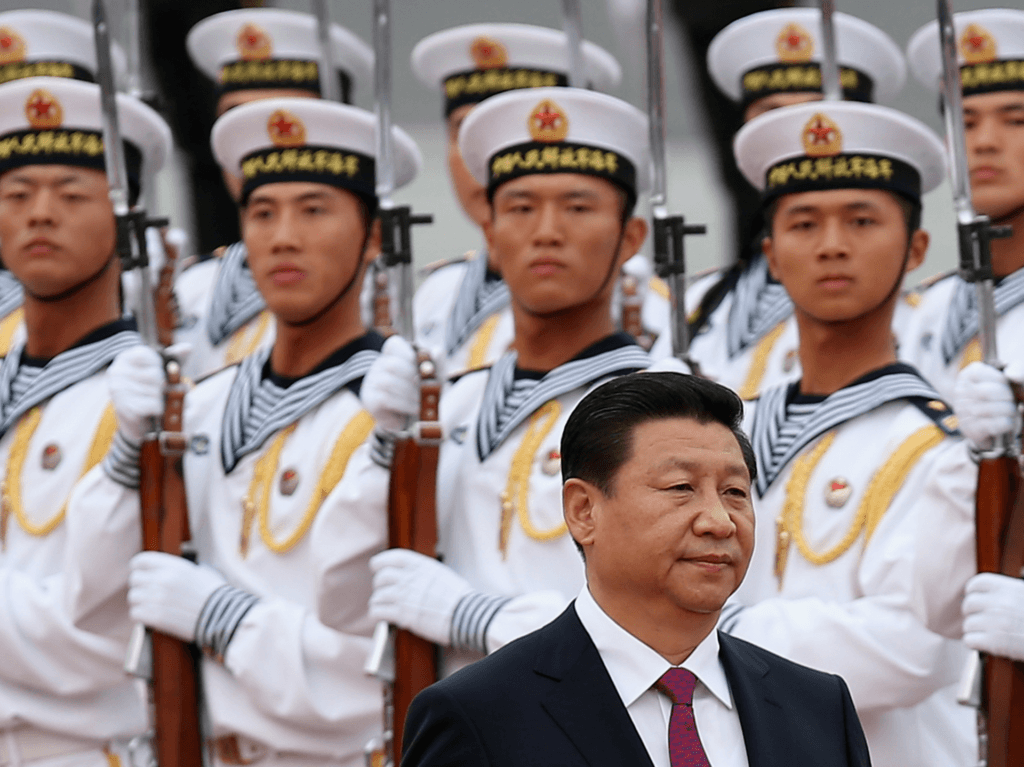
[[635, 667]]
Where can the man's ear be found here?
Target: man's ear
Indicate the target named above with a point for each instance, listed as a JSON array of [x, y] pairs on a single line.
[[768, 248], [372, 249], [633, 235], [580, 500], [919, 242], [488, 228]]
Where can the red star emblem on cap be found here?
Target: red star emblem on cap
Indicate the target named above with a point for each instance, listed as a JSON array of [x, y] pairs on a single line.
[[285, 129], [820, 132], [43, 110], [6, 41], [283, 125], [548, 120]]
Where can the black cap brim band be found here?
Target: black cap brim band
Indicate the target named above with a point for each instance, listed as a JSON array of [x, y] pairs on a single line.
[[315, 164], [563, 157], [475, 85], [65, 146], [290, 74], [992, 77], [802, 78], [19, 70], [845, 171]]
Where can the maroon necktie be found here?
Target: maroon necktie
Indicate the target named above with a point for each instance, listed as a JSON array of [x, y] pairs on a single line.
[[684, 747]]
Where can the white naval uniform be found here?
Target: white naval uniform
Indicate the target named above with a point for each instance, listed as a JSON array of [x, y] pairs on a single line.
[[540, 571], [464, 318], [851, 615], [289, 684], [64, 623], [748, 346], [941, 334]]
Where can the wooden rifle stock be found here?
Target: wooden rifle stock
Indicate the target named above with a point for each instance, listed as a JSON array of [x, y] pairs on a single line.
[[1000, 549], [412, 524], [175, 686]]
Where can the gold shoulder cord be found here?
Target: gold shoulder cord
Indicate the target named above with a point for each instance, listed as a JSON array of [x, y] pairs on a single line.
[[257, 501], [8, 325], [883, 487], [482, 342], [971, 354], [515, 498], [755, 375], [246, 339], [11, 490]]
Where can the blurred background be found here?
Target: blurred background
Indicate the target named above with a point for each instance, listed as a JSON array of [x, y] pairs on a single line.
[[703, 183]]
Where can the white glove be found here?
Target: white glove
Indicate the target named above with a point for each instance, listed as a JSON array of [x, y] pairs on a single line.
[[136, 382], [167, 593], [984, 404], [417, 593], [994, 615], [390, 391]]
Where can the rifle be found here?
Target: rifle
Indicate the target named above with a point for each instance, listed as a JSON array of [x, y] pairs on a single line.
[[996, 686], [831, 86], [174, 678], [404, 662], [669, 230]]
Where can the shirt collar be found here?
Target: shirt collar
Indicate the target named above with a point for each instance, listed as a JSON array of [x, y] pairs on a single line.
[[634, 667]]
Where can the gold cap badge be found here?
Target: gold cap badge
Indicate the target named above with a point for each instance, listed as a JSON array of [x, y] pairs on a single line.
[[488, 53], [548, 123], [253, 43], [12, 46], [822, 137], [285, 129], [977, 46], [794, 44], [43, 110]]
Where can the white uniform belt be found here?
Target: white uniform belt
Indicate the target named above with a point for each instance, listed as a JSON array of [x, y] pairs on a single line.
[[26, 744], [240, 750]]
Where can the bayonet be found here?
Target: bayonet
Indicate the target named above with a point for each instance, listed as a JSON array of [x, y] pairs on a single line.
[[330, 88], [831, 82], [572, 24], [669, 230]]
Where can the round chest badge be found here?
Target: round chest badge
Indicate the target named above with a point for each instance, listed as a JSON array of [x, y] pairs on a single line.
[[837, 493]]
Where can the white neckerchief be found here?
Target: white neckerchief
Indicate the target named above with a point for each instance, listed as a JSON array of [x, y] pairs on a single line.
[[478, 298], [64, 370], [962, 317], [758, 305], [236, 299], [506, 405], [894, 382]]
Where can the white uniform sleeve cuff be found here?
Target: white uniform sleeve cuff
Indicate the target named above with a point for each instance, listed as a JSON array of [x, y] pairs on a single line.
[[472, 617], [121, 463]]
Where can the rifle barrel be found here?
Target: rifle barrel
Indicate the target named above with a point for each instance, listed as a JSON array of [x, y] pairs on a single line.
[[329, 86]]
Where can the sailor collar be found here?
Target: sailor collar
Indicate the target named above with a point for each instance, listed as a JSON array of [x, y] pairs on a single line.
[[481, 295], [962, 318], [246, 428], [12, 295], [85, 358], [759, 304], [500, 413], [236, 299], [869, 392]]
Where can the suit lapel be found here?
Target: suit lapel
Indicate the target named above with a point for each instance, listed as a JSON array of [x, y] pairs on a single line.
[[584, 702], [765, 727]]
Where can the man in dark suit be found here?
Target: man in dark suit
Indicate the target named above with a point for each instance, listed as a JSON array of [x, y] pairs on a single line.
[[656, 495]]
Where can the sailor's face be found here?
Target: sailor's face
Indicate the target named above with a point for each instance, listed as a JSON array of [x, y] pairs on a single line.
[[57, 226], [995, 151], [558, 240], [839, 253], [777, 101], [471, 193], [676, 530], [306, 244]]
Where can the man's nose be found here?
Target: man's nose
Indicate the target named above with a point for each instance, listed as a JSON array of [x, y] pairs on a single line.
[[548, 229], [714, 518]]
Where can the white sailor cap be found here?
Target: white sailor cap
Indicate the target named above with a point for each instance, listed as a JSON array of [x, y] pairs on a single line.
[[58, 121], [297, 139], [257, 48], [779, 51], [990, 51], [556, 130], [475, 61], [36, 43], [839, 145]]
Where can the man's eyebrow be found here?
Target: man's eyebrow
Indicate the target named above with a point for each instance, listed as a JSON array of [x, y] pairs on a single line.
[[686, 465]]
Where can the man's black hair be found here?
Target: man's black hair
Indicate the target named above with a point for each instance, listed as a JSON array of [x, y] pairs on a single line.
[[598, 437]]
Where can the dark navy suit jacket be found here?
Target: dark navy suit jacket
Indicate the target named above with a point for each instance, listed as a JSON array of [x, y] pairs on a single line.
[[547, 699]]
